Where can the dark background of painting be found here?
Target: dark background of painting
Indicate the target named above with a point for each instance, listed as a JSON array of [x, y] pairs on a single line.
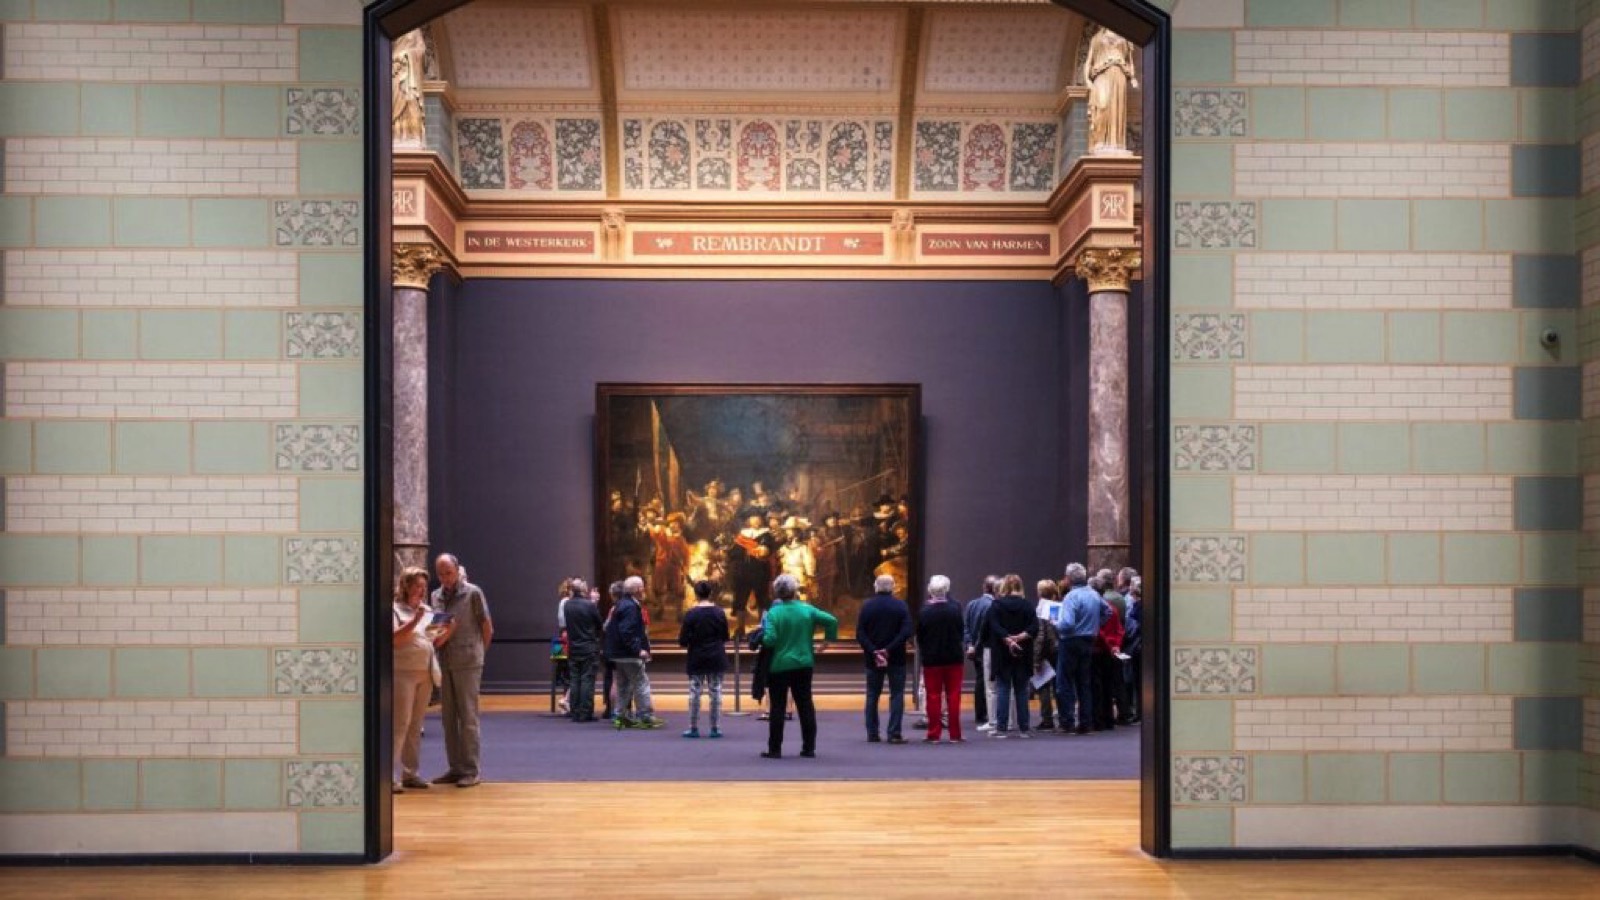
[[514, 364]]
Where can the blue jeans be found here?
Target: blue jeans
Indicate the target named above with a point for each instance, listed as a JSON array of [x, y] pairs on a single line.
[[1073, 692], [897, 697], [1011, 689]]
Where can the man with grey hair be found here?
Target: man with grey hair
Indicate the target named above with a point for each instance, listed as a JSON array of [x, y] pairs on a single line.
[[882, 630], [468, 630], [628, 648], [1077, 624]]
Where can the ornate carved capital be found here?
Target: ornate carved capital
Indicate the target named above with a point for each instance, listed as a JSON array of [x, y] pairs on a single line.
[[415, 264], [1109, 269]]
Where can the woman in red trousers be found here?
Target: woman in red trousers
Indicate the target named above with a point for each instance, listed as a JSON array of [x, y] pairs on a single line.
[[943, 651]]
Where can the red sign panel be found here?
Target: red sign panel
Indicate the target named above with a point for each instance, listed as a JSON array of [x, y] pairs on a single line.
[[534, 242], [756, 243], [997, 244]]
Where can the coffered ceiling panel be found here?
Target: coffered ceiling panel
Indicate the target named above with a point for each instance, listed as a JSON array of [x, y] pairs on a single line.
[[503, 45], [1010, 51]]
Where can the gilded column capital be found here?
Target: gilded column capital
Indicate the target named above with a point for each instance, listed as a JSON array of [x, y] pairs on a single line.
[[1109, 269], [414, 265]]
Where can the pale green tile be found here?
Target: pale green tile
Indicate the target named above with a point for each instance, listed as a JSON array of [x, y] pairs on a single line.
[[334, 390], [180, 111], [229, 448], [1444, 225], [38, 109], [39, 785], [152, 10], [1533, 448], [1344, 337], [239, 12], [1197, 281], [251, 111], [71, 448], [1294, 447], [108, 110], [1414, 558], [151, 672], [1480, 337], [1289, 13], [233, 672], [152, 222], [1377, 14], [1549, 115], [180, 334], [38, 334], [1374, 448], [110, 561], [1530, 225], [1416, 778], [1480, 114], [1448, 448], [1198, 504], [1445, 14], [16, 10], [1346, 114], [1534, 669], [16, 218], [1277, 559], [72, 10], [72, 221], [16, 447], [330, 54], [72, 673], [1481, 558], [334, 279], [1448, 668], [336, 615], [1532, 325], [1414, 337], [181, 783], [1374, 669], [16, 673], [232, 223], [252, 784], [331, 504], [152, 448], [251, 560], [1551, 779], [1198, 392], [1194, 829], [110, 784], [335, 726], [1196, 724], [1297, 224], [1198, 614], [1295, 670], [252, 334], [332, 833], [334, 167], [1529, 15], [1550, 558], [1277, 336], [1479, 778], [41, 560], [1278, 113], [1374, 225], [1345, 778], [1198, 57], [1278, 778], [180, 560], [1345, 558], [110, 334]]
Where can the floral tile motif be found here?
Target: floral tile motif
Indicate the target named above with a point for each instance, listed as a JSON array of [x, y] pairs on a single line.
[[1215, 670], [1208, 336], [321, 112], [480, 154], [803, 175], [1209, 780], [802, 137], [1033, 156], [632, 147], [760, 158], [714, 136], [1214, 448], [883, 156], [669, 156], [322, 335], [316, 223], [713, 175], [1210, 113], [1209, 559], [1214, 224], [937, 156], [317, 560], [317, 672], [322, 783], [847, 157], [530, 159], [983, 158], [578, 155], [303, 447]]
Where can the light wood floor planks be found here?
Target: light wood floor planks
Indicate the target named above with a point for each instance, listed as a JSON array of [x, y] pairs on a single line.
[[857, 840]]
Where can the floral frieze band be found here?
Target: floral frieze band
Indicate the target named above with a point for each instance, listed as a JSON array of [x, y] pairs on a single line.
[[530, 154], [753, 155]]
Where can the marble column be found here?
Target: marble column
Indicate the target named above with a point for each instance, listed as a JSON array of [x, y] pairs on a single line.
[[414, 266], [1109, 273]]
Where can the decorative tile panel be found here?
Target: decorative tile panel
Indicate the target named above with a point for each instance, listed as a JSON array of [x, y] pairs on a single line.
[[1208, 336], [1213, 224], [1033, 156], [322, 335], [321, 112], [317, 560], [534, 153], [1211, 113], [632, 155], [995, 51], [1215, 670], [759, 156], [1209, 780], [518, 46], [882, 157], [530, 157], [1209, 559], [302, 447], [848, 153], [322, 783], [316, 223], [1214, 448], [984, 157], [937, 156], [480, 153], [316, 672], [578, 155]]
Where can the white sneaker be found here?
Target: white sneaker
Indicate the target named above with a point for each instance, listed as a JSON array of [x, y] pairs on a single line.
[[986, 727], [998, 735]]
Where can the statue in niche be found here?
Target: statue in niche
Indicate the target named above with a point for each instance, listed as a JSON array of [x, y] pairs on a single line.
[[1108, 71], [410, 122]]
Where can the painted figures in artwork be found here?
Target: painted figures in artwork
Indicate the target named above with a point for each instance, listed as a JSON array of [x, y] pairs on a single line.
[[1108, 72], [410, 127]]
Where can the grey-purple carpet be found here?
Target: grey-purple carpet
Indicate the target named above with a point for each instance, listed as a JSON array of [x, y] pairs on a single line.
[[525, 746]]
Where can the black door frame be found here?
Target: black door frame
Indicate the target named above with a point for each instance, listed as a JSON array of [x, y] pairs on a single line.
[[1141, 22]]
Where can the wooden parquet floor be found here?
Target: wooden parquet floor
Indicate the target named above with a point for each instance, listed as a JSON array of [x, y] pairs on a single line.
[[847, 839]]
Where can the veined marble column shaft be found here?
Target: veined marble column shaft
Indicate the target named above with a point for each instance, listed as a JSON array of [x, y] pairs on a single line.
[[414, 265], [1109, 275]]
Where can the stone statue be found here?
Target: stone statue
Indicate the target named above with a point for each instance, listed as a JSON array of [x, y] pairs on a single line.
[[1108, 71], [410, 122]]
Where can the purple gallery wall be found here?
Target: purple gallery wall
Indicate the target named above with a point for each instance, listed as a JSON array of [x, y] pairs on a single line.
[[512, 392]]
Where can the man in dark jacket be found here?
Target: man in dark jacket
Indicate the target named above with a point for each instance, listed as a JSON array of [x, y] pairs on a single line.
[[940, 643], [975, 629], [583, 648], [1013, 627], [882, 630], [628, 648]]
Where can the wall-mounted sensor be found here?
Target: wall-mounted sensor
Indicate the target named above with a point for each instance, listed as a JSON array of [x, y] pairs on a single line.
[[1549, 338]]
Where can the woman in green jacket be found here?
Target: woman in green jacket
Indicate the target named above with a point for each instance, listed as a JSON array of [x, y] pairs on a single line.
[[791, 625]]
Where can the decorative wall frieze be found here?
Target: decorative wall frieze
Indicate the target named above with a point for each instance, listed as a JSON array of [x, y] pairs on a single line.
[[320, 783], [1210, 780], [1209, 558], [1215, 448], [319, 671], [321, 560], [1215, 670], [1207, 337]]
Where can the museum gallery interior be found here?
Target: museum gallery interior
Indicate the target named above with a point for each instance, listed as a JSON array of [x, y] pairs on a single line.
[[1284, 305]]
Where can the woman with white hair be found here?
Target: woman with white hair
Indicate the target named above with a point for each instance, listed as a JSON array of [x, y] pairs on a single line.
[[942, 648], [791, 625]]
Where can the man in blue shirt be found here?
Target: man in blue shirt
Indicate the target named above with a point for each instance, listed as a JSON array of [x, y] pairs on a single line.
[[1077, 623]]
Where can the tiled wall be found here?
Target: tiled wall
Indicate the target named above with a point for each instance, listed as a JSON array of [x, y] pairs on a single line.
[[1588, 241], [1378, 504], [180, 329]]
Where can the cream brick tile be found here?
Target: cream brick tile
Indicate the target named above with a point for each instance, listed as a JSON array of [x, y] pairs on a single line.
[[144, 390], [149, 53], [143, 728], [1374, 723], [1349, 615], [1441, 59]]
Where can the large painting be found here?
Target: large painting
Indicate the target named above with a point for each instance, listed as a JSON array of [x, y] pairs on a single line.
[[737, 484]]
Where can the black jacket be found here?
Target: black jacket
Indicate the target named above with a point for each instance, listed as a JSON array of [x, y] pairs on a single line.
[[625, 632], [583, 627], [884, 624], [705, 632], [939, 634], [1012, 614]]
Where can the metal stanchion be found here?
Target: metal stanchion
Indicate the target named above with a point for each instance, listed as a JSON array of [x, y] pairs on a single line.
[[738, 655]]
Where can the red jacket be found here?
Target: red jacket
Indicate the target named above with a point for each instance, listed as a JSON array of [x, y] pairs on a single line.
[[1110, 638]]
